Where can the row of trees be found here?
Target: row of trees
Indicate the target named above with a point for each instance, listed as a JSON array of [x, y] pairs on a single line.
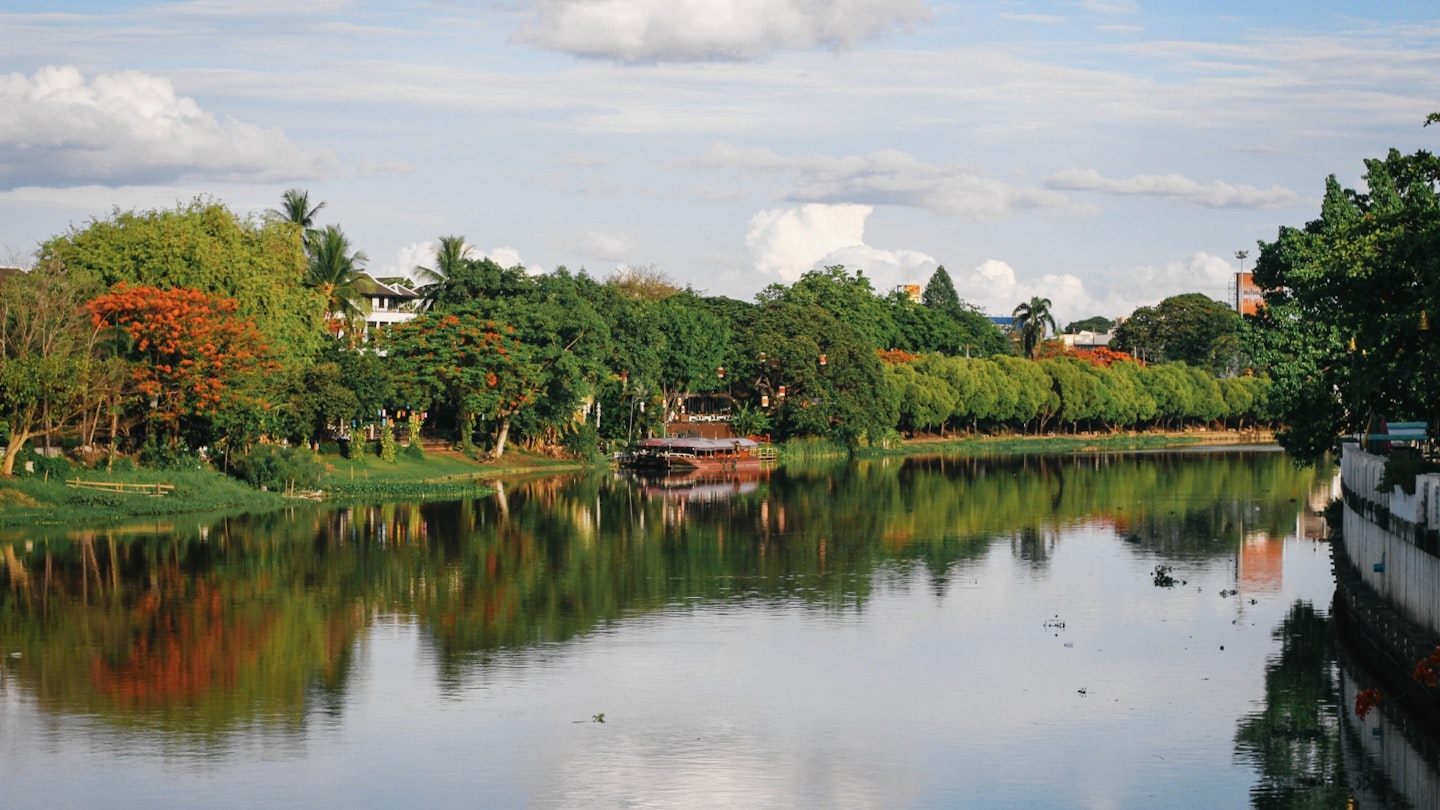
[[1077, 391], [195, 328]]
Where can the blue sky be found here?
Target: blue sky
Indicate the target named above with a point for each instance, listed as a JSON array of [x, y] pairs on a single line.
[[1104, 154]]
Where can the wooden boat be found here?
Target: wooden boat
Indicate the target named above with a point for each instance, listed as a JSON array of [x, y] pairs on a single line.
[[683, 454]]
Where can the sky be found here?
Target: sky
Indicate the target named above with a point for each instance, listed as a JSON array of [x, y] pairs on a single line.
[[1104, 154]]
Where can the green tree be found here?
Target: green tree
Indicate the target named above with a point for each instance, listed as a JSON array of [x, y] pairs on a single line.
[[1348, 298], [1192, 328], [1032, 321], [1095, 323], [204, 246], [849, 298], [47, 348], [335, 270], [450, 259], [295, 208], [835, 384], [940, 292]]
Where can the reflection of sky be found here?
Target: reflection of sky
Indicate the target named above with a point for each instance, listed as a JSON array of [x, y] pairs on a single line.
[[965, 698]]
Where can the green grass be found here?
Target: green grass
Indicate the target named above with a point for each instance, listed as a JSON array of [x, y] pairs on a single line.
[[36, 501]]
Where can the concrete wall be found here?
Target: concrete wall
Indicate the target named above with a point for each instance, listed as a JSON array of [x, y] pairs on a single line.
[[1396, 532]]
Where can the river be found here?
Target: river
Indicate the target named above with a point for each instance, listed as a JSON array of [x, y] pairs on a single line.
[[1098, 631]]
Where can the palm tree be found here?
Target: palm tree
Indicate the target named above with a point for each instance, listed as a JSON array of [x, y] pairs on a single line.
[[449, 258], [1031, 320], [336, 272], [295, 208]]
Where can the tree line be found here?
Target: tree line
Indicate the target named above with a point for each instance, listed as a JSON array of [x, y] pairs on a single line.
[[196, 330]]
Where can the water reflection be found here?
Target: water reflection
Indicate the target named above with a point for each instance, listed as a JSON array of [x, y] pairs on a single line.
[[211, 635]]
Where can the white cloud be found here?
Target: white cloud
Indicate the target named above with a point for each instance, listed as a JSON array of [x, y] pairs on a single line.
[[510, 257], [1175, 187], [422, 254], [711, 30], [789, 241], [994, 287], [131, 127], [407, 258], [892, 177]]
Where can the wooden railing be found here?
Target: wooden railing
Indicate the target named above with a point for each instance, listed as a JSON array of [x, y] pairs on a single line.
[[157, 490]]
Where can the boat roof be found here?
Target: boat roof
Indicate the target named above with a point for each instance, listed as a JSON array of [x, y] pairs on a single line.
[[698, 444]]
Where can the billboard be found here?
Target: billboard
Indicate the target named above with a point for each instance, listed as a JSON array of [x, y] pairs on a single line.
[[1248, 297]]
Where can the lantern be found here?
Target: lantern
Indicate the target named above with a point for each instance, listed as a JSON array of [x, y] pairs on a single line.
[[764, 400], [822, 359], [781, 392], [720, 372]]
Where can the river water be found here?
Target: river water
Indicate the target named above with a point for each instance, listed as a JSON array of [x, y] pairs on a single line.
[[1099, 631]]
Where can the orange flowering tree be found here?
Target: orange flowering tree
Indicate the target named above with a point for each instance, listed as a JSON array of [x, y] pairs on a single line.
[[467, 362], [190, 355]]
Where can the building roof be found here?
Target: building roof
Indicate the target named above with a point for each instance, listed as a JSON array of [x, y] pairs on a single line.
[[370, 287]]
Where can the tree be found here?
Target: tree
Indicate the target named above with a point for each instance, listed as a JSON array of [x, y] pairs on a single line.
[[191, 355], [1348, 299], [450, 259], [1032, 321], [1192, 328], [1095, 323], [295, 208], [692, 345], [849, 298], [835, 385], [647, 283], [204, 246], [335, 271], [476, 365], [46, 354], [940, 292]]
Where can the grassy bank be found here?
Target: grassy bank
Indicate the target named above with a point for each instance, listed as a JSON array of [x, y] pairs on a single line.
[[36, 501], [33, 500], [435, 475]]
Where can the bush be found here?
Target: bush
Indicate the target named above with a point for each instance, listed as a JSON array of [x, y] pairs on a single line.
[[414, 451], [1402, 466], [165, 455], [279, 468], [57, 467], [582, 443], [329, 448]]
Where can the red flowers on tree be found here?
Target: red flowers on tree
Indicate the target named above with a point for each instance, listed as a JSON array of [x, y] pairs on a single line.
[[188, 349]]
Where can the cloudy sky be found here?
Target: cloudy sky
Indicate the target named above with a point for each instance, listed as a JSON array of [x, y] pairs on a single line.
[[1102, 153]]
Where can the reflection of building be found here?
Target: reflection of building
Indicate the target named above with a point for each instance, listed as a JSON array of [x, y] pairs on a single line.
[[1262, 563], [1248, 298]]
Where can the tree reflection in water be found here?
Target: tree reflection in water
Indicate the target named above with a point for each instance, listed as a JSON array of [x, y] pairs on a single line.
[[1294, 742]]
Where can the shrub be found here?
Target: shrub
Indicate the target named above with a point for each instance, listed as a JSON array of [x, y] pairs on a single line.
[[582, 443], [1402, 466], [413, 450], [279, 468]]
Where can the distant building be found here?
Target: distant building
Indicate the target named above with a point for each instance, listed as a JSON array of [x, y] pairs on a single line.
[[1248, 297], [6, 272], [1087, 340], [1005, 322], [389, 303], [911, 291]]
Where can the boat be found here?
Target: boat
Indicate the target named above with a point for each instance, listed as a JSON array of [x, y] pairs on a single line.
[[683, 454]]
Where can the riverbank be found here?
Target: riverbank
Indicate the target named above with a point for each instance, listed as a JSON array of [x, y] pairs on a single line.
[[448, 474]]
